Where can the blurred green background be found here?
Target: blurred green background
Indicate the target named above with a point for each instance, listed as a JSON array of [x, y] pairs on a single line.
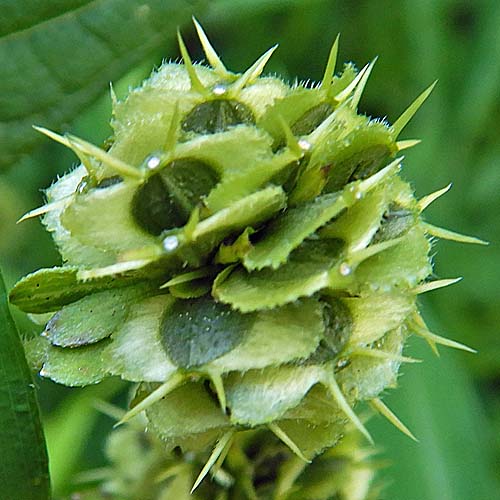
[[453, 403]]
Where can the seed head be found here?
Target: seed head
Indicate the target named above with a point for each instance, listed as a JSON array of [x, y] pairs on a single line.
[[246, 251]]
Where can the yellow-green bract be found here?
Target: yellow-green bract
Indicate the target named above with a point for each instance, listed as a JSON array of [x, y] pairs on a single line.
[[245, 250]]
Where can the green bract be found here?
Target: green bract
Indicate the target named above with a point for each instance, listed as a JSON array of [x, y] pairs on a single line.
[[245, 250], [257, 466]]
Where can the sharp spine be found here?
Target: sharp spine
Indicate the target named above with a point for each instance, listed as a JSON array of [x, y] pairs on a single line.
[[326, 83], [358, 92], [336, 393], [410, 111], [155, 396], [446, 234], [344, 94], [210, 53], [424, 202], [407, 144], [188, 63], [434, 285], [376, 353], [223, 442], [280, 433], [252, 72], [386, 412], [420, 329]]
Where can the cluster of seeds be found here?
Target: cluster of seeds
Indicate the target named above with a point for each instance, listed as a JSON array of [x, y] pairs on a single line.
[[245, 251]]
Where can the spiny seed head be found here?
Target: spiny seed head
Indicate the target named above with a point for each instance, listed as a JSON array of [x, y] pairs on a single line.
[[245, 250]]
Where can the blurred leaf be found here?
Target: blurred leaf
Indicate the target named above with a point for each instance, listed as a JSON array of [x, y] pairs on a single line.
[[440, 405], [24, 469], [482, 80], [224, 10], [69, 431], [58, 58]]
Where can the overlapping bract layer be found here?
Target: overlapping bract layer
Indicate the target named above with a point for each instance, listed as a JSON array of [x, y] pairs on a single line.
[[257, 466], [245, 250]]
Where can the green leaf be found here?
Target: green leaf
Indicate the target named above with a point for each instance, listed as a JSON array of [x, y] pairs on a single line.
[[291, 108], [317, 437], [135, 352], [47, 290], [58, 57], [231, 253], [72, 251], [24, 468], [373, 315], [197, 242], [318, 405], [197, 331], [191, 289], [404, 265], [307, 271], [194, 421], [360, 154], [278, 336], [35, 350], [75, 367], [252, 210], [321, 415], [92, 318], [287, 231], [358, 225], [367, 377], [258, 397], [102, 218]]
